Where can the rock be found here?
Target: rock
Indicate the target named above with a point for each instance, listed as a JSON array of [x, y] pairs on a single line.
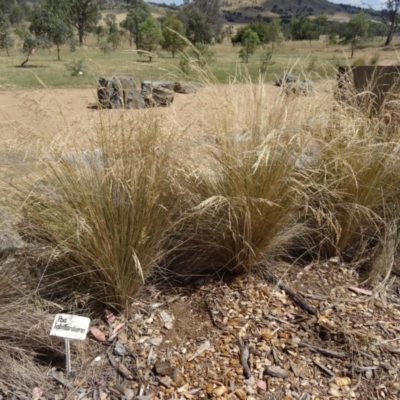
[[186, 87], [10, 240], [286, 79], [119, 92], [163, 368], [148, 86], [133, 99], [301, 88], [157, 94], [276, 372], [114, 92]]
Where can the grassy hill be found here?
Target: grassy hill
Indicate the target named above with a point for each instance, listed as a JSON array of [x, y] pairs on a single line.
[[246, 10]]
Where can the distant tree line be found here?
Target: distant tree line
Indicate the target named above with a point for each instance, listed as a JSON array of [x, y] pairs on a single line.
[[55, 23]]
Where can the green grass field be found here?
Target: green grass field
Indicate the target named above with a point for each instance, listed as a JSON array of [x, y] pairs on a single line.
[[317, 60]]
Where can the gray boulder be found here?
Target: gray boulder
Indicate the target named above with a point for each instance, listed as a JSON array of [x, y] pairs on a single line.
[[186, 87], [148, 86], [286, 79], [119, 92], [134, 99], [300, 88], [157, 94]]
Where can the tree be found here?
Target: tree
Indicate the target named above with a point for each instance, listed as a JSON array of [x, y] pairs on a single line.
[[6, 40], [392, 20], [197, 28], [172, 31], [114, 38], [110, 19], [99, 31], [150, 36], [138, 12], [83, 14], [321, 23], [259, 27], [17, 15], [357, 30], [275, 32], [29, 44], [249, 44], [6, 6], [46, 25], [302, 28], [266, 32], [211, 9]]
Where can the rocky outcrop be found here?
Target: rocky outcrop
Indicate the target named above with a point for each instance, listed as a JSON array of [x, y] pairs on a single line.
[[301, 88], [121, 92], [286, 79], [157, 94]]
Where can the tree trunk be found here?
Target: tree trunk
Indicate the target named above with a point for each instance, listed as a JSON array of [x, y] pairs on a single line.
[[27, 59], [58, 53], [392, 27], [389, 37], [352, 48], [81, 32]]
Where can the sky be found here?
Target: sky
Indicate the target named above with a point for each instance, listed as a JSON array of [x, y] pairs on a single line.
[[373, 3], [377, 4]]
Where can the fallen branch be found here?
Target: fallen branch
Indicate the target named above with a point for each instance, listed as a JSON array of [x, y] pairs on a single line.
[[325, 352], [244, 357], [323, 368], [297, 298]]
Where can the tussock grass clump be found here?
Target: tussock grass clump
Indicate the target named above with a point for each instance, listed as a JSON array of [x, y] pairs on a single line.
[[352, 197], [241, 201], [23, 331], [103, 207]]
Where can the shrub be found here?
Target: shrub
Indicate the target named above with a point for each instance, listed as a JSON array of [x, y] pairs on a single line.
[[76, 67], [374, 59]]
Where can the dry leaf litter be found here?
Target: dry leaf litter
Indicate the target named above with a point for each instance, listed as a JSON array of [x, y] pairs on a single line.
[[246, 339]]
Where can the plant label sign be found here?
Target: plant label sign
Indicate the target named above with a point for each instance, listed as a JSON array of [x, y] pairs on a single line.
[[70, 326]]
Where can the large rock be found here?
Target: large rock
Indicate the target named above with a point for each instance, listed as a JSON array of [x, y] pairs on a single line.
[[134, 99], [301, 88], [157, 94], [186, 87], [286, 79], [151, 85], [119, 92]]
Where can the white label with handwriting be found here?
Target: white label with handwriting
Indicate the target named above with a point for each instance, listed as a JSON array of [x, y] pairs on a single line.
[[70, 326]]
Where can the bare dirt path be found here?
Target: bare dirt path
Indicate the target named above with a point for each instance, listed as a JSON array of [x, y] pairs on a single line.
[[46, 112]]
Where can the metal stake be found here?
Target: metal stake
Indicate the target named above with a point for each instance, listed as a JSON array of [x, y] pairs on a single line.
[[68, 356]]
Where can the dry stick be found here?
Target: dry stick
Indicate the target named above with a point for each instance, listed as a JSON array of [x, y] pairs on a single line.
[[298, 299], [293, 368], [325, 352], [275, 356], [244, 356], [273, 318], [323, 368], [363, 369]]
